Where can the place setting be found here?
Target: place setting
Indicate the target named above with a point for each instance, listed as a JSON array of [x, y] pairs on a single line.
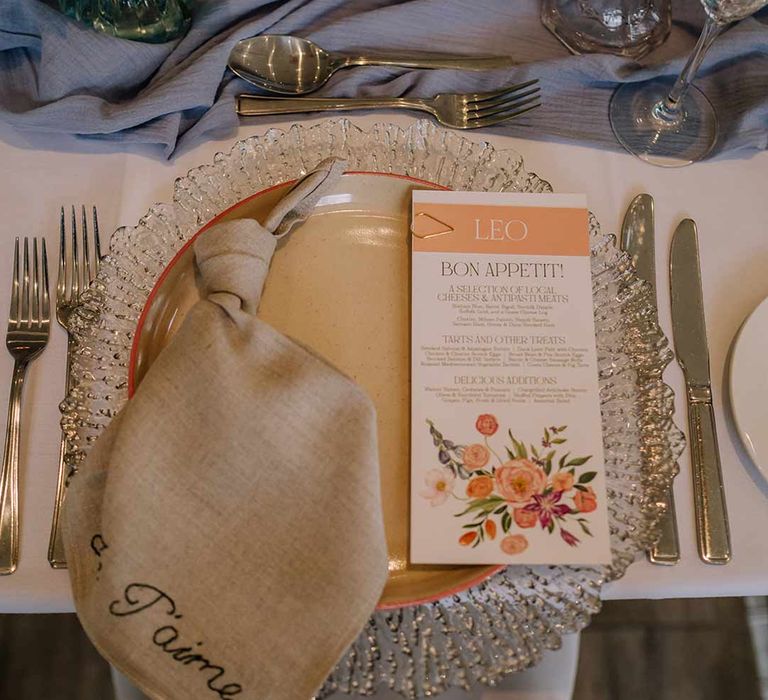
[[359, 288], [369, 406]]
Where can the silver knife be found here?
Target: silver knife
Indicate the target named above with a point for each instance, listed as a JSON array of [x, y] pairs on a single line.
[[690, 334], [637, 239]]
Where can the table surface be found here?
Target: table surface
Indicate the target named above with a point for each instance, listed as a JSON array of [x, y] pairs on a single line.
[[727, 198]]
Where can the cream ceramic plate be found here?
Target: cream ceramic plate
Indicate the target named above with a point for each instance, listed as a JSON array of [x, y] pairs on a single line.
[[340, 285], [344, 291], [749, 386]]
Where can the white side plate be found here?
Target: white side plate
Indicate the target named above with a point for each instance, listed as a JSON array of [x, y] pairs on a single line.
[[748, 380]]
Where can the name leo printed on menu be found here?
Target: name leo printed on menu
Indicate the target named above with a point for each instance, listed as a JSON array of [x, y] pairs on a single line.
[[506, 435], [491, 223]]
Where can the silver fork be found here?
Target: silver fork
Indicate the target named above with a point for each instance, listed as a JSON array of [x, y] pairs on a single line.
[[457, 110], [29, 324], [77, 269]]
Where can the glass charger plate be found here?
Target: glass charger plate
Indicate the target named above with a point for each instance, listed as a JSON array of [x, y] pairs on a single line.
[[506, 622]]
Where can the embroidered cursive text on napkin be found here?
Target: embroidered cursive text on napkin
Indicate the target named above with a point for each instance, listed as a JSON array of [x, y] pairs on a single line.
[[140, 597]]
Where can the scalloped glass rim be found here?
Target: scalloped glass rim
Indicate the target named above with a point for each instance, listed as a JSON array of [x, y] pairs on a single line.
[[504, 624]]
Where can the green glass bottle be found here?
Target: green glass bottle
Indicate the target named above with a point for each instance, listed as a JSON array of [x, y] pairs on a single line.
[[153, 21]]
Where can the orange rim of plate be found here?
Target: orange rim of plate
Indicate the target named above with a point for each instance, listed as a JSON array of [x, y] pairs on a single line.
[[486, 573]]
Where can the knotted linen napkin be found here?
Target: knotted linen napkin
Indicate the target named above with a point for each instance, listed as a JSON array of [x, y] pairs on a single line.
[[225, 535]]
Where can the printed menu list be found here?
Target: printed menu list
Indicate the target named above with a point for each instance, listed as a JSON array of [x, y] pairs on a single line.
[[506, 440]]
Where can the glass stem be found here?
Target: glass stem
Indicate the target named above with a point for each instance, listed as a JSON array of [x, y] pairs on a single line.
[[669, 109]]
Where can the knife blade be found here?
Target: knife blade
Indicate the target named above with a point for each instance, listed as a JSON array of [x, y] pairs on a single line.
[[690, 335], [637, 238], [638, 241]]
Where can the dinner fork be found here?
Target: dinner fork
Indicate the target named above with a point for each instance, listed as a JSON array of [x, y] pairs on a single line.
[[29, 324], [457, 110], [77, 269]]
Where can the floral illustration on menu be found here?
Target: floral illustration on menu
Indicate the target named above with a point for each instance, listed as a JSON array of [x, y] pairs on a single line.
[[504, 488]]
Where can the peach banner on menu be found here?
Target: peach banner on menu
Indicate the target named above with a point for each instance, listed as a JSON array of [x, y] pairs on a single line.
[[465, 226]]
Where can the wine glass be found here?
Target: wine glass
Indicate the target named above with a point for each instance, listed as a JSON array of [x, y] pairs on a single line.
[[670, 122]]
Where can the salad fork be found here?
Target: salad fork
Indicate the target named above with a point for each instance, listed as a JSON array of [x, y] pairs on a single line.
[[29, 323], [457, 110], [77, 269]]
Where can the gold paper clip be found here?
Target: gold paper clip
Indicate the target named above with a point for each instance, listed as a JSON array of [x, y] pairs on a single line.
[[425, 225]]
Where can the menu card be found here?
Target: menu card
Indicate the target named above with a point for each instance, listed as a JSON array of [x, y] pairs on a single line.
[[506, 440]]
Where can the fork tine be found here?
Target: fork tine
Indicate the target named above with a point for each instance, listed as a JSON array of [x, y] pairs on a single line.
[[480, 96], [25, 285], [46, 303], [497, 118], [75, 282], [61, 282], [504, 107], [96, 241], [34, 317], [487, 107], [86, 257], [13, 314]]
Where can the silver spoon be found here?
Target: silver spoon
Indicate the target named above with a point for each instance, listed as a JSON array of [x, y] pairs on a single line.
[[291, 65]]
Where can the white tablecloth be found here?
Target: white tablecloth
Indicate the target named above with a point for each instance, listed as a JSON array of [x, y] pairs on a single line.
[[728, 199]]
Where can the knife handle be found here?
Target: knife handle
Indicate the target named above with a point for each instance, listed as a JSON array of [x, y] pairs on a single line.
[[708, 494], [667, 550]]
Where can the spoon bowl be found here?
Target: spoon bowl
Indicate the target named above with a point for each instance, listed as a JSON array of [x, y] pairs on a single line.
[[292, 65], [288, 65]]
